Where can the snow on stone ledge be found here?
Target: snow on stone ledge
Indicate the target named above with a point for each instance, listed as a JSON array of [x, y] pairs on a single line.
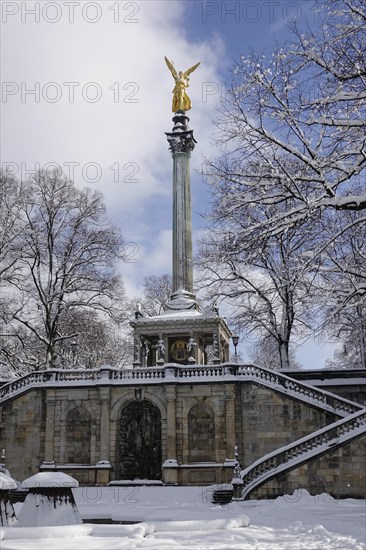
[[49, 479], [139, 482]]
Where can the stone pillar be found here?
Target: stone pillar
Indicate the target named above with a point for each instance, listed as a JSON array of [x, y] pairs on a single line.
[[103, 466], [216, 348], [104, 395], [136, 350], [50, 427], [170, 466], [230, 418]]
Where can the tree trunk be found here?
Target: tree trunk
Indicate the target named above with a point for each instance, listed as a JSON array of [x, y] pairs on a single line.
[[284, 356]]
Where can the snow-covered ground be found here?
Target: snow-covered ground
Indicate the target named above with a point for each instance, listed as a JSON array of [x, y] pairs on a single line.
[[178, 518]]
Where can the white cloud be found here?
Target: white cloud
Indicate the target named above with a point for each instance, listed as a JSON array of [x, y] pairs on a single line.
[[144, 261], [125, 61]]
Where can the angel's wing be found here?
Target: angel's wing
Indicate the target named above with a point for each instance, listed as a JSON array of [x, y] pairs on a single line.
[[189, 71], [171, 67]]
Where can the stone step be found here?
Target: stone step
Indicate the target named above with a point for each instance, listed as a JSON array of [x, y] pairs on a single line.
[[222, 496]]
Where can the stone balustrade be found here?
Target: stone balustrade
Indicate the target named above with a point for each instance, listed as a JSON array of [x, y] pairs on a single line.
[[150, 373], [181, 373], [201, 371], [13, 388]]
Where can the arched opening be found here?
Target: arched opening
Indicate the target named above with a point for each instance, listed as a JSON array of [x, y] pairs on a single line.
[[201, 433], [78, 434], [140, 442]]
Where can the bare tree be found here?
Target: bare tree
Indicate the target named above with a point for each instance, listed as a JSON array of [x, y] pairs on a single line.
[[343, 261], [265, 353], [157, 291], [67, 259], [21, 351], [298, 118], [342, 282], [265, 283], [86, 339], [349, 331], [97, 340], [292, 139], [11, 239], [10, 233]]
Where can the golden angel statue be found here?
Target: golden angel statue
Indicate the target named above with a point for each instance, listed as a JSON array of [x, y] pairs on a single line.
[[181, 101]]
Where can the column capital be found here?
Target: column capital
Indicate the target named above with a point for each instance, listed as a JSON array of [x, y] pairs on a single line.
[[181, 138], [170, 391], [50, 396], [182, 142], [104, 394]]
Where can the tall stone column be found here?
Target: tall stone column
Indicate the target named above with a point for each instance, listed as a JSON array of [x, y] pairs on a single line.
[[181, 143]]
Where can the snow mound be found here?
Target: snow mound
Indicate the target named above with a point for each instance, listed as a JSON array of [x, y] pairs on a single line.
[[42, 510], [304, 496], [51, 532], [74, 531], [202, 525], [136, 531]]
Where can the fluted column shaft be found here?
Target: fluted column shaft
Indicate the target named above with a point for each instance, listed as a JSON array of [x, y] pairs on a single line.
[[182, 224], [181, 143]]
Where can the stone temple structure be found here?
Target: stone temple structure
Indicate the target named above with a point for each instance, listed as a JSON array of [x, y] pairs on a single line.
[[178, 412]]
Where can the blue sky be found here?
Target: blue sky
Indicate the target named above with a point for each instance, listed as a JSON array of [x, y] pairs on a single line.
[[85, 86]]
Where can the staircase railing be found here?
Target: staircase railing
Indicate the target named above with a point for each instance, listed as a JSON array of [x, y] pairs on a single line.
[[306, 392], [15, 387], [47, 378], [179, 374], [300, 451]]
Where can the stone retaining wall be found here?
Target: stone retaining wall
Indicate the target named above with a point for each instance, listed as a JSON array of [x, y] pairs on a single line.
[[201, 422]]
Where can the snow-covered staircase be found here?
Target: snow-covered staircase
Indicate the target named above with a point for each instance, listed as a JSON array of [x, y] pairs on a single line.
[[311, 446]]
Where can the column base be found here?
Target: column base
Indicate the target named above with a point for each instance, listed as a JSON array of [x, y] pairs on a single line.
[[47, 465], [170, 472], [182, 300]]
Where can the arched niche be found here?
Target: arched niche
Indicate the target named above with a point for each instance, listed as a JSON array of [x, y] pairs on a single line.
[[77, 436], [139, 443], [201, 433]]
